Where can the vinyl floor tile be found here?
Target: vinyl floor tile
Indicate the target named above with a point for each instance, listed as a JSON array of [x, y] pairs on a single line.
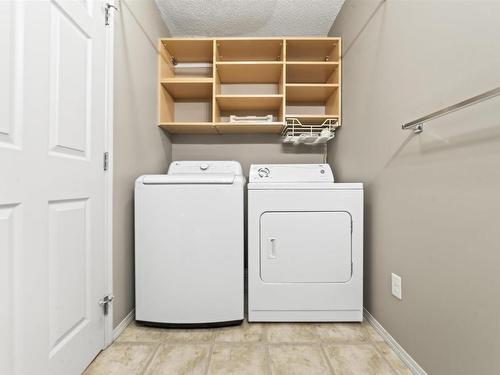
[[292, 333], [238, 359], [175, 359], [298, 360], [362, 359], [121, 359]]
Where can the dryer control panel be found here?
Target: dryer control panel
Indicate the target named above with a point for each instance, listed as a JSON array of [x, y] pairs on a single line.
[[290, 173]]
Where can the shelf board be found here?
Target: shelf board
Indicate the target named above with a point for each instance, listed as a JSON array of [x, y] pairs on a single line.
[[311, 119], [249, 71], [253, 128], [221, 128], [310, 49], [189, 50], [187, 79], [249, 102], [188, 88], [308, 93], [188, 127], [310, 71], [249, 49]]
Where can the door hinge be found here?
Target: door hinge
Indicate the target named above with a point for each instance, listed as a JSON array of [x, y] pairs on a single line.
[[107, 12], [106, 161], [105, 303]]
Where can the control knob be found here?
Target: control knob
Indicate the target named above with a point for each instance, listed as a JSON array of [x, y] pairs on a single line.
[[264, 172]]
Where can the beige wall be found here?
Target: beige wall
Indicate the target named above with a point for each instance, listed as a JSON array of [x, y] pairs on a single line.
[[432, 200], [140, 147], [247, 149]]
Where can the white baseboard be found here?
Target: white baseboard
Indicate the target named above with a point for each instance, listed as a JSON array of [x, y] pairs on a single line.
[[398, 349], [123, 324]]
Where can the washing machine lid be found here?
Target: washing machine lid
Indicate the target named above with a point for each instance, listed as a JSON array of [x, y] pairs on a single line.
[[189, 179], [290, 173], [203, 167]]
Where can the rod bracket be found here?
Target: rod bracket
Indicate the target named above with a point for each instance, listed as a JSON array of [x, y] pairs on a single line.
[[419, 128]]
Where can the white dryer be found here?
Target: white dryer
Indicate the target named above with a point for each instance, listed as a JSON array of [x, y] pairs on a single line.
[[189, 245], [305, 245]]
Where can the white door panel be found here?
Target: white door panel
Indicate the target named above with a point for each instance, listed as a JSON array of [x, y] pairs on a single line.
[[9, 245], [71, 85], [11, 39], [52, 185], [305, 247], [69, 258]]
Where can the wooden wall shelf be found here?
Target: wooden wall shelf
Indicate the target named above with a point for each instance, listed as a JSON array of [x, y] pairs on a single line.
[[188, 89], [265, 127], [249, 72], [246, 49], [309, 92], [188, 50], [313, 49], [188, 127], [312, 72], [249, 102], [221, 128], [204, 81]]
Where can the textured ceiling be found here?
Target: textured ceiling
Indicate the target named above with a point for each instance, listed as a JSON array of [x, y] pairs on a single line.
[[186, 18]]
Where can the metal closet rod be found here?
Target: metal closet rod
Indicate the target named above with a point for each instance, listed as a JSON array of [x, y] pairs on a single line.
[[418, 124]]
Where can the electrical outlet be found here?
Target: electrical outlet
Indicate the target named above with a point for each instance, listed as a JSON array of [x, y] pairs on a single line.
[[396, 286]]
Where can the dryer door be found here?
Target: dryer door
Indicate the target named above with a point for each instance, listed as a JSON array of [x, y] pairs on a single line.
[[305, 247]]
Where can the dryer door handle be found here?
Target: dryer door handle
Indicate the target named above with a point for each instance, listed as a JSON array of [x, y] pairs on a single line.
[[272, 248]]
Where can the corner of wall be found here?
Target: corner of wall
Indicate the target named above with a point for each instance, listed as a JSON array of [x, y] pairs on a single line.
[[140, 146]]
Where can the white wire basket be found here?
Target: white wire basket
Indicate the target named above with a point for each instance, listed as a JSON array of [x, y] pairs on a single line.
[[297, 133]]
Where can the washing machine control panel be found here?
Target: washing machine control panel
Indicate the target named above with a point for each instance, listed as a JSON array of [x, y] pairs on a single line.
[[205, 167], [290, 173]]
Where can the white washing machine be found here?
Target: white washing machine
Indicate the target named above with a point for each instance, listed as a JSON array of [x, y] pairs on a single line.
[[189, 245], [305, 245]]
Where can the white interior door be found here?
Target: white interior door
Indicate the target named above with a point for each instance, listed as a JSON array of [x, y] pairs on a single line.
[[305, 247], [52, 185]]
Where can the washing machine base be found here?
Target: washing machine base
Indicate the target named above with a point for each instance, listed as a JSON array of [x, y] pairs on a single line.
[[190, 325]]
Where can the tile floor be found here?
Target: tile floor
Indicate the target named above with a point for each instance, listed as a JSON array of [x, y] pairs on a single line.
[[254, 349]]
